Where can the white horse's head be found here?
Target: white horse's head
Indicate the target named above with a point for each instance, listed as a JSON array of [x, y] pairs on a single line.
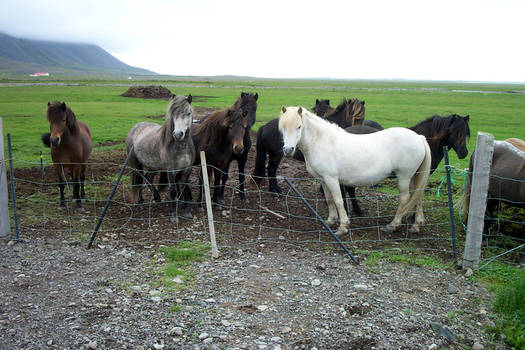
[[291, 127], [180, 111]]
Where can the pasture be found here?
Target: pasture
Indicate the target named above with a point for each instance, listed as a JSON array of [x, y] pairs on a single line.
[[249, 232]]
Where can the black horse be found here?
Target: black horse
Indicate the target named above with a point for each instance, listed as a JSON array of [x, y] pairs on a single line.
[[452, 131], [269, 139]]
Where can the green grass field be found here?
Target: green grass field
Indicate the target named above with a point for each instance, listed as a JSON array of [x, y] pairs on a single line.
[[110, 116]]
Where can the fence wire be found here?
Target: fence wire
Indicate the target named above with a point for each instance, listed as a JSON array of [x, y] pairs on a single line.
[[263, 218]]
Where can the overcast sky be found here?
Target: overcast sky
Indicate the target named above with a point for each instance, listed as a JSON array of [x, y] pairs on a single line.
[[379, 39]]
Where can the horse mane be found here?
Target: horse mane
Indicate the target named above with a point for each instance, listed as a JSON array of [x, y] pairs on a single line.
[[452, 124], [315, 119], [358, 112], [54, 114], [177, 104], [212, 128], [341, 106], [245, 101]]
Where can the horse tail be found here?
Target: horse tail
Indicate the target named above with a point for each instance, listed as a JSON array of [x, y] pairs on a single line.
[[260, 159], [420, 178], [46, 139]]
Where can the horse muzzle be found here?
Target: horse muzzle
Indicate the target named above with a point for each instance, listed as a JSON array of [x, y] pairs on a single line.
[[55, 141], [238, 149], [179, 135], [288, 150]]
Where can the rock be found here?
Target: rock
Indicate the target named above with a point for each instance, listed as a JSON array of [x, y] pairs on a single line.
[[443, 332], [360, 287], [159, 346], [262, 307], [92, 344], [176, 331], [452, 289], [203, 336], [208, 340], [477, 346], [178, 279], [49, 342], [432, 346], [10, 243], [316, 282], [210, 300], [225, 323], [285, 330]]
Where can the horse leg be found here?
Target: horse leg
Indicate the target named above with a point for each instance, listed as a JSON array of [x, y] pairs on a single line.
[[419, 219], [332, 188], [183, 178], [216, 187], [273, 164], [173, 194], [82, 180], [241, 162], [61, 184], [76, 187], [404, 197], [222, 183], [355, 205], [149, 182]]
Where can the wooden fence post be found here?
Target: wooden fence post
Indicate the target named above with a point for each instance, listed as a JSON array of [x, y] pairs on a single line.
[[5, 228], [478, 199], [214, 251]]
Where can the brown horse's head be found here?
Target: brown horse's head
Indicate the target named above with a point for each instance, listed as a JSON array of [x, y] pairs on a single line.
[[61, 120], [235, 122]]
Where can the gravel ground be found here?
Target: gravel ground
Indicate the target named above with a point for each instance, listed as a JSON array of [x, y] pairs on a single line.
[[57, 294]]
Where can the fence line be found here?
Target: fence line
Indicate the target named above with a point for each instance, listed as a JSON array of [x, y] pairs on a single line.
[[238, 224]]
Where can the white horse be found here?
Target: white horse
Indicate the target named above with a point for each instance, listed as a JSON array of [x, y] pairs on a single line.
[[335, 156]]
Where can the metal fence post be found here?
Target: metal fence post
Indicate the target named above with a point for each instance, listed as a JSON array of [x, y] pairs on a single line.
[[5, 228], [478, 199]]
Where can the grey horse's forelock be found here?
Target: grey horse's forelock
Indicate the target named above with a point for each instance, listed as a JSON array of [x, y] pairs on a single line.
[[178, 105]]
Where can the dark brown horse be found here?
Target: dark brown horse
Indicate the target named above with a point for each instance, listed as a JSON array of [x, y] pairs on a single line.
[[506, 181], [246, 103], [269, 140], [220, 135], [70, 142], [322, 108]]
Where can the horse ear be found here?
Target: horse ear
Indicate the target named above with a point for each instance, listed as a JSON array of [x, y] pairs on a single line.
[[316, 101], [467, 117], [363, 103], [173, 96], [283, 109], [243, 94], [328, 101], [189, 98], [49, 104], [256, 96], [300, 110], [63, 106]]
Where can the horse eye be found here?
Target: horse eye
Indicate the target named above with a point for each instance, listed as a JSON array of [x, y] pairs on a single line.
[[298, 127]]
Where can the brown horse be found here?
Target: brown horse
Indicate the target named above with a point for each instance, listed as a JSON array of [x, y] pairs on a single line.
[[70, 142], [506, 181], [220, 136]]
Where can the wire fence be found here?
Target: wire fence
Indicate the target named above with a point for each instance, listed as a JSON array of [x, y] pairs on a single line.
[[263, 218]]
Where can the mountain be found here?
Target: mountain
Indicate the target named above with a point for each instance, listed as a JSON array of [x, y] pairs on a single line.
[[25, 56]]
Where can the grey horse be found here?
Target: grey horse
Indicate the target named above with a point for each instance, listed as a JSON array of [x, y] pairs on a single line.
[[167, 149]]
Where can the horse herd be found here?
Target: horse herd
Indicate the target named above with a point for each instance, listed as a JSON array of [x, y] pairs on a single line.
[[339, 146]]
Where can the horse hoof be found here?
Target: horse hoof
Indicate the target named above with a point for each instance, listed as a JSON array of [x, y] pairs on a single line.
[[341, 231], [414, 229], [276, 190], [388, 229], [330, 221], [187, 215]]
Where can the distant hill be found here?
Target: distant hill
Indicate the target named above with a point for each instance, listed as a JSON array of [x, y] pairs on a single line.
[[25, 56]]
